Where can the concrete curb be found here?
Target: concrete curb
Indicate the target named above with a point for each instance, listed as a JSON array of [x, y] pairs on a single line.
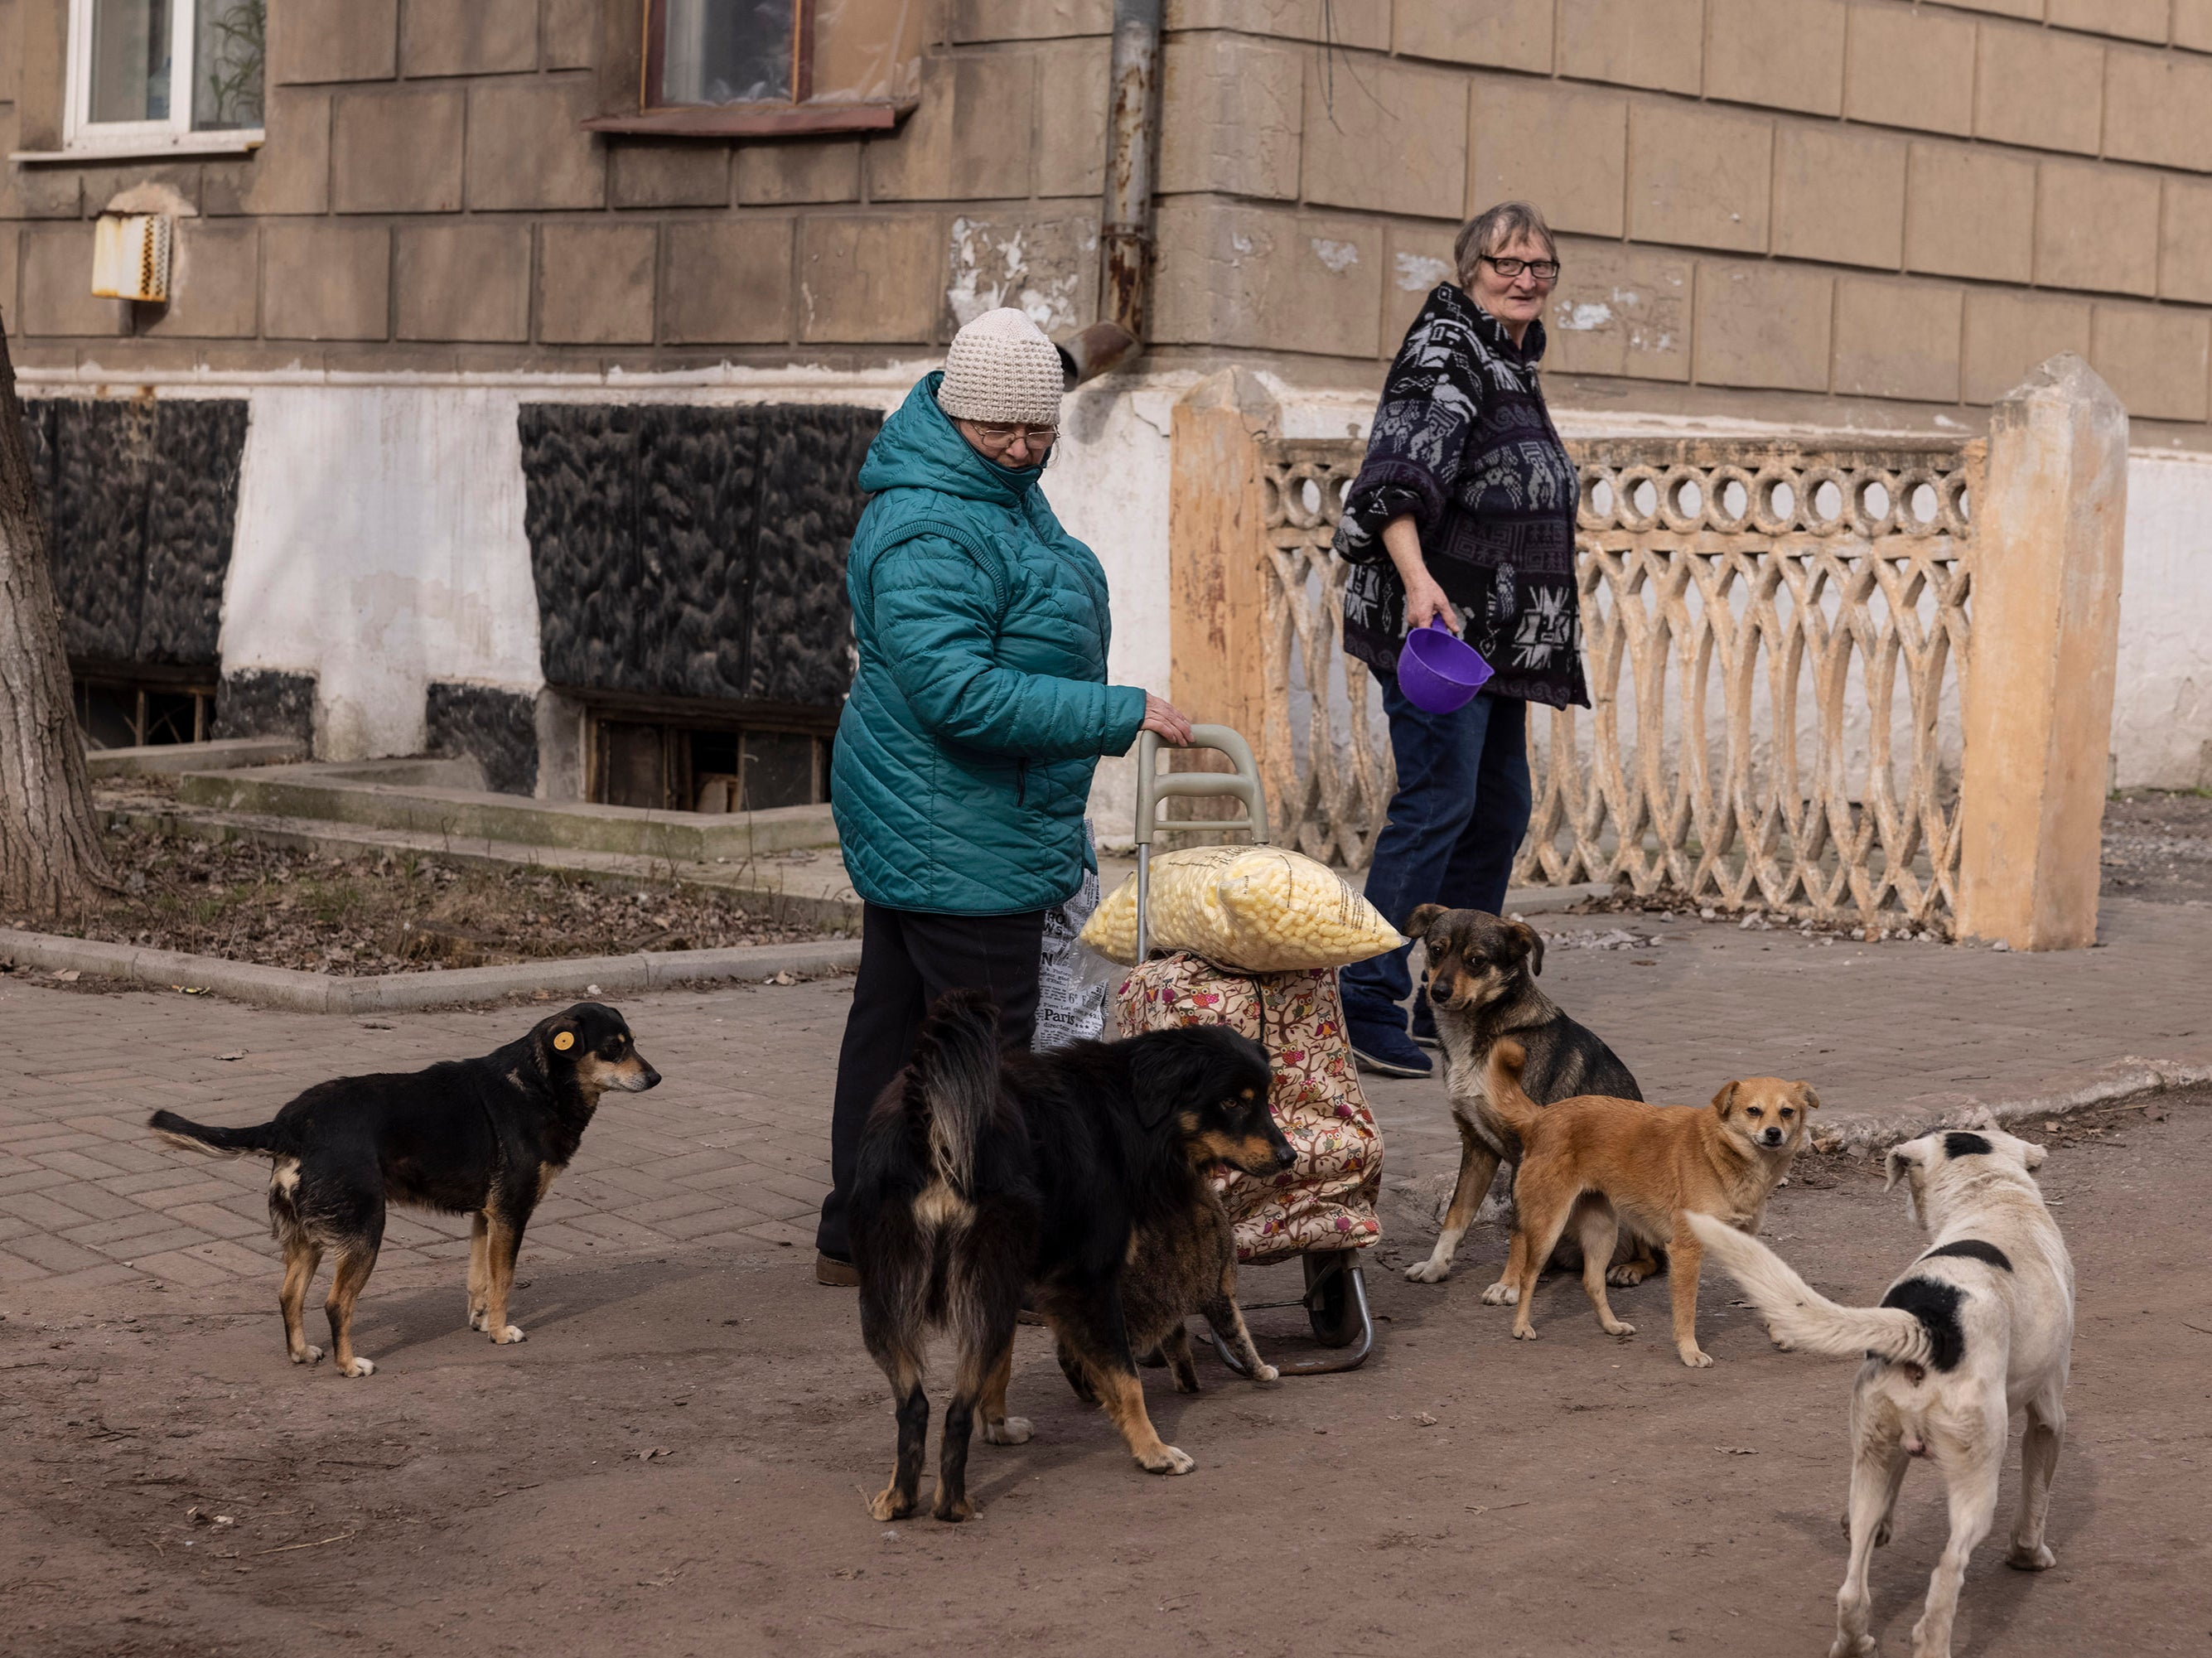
[[323, 992], [2132, 1078]]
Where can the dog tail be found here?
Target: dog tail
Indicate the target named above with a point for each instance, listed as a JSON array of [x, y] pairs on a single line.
[[952, 1085], [260, 1140], [1501, 1085], [1798, 1315]]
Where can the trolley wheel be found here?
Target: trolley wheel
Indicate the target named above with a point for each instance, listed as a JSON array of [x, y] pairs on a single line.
[[1337, 1316]]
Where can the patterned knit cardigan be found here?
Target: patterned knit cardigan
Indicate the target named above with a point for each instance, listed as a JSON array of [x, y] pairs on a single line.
[[1463, 442]]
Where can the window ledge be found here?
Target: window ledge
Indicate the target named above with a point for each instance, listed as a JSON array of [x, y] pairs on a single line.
[[754, 120], [145, 149]]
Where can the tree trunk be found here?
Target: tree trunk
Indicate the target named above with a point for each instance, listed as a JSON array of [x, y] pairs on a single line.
[[50, 857]]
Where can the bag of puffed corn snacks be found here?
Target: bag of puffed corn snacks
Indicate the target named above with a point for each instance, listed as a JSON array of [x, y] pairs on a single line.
[[1263, 909]]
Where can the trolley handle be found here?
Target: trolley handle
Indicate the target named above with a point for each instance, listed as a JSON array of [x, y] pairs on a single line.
[[1154, 786]]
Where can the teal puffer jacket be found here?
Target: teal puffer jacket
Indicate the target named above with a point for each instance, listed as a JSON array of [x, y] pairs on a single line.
[[980, 707]]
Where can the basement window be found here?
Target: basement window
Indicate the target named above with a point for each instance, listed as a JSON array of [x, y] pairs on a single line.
[[774, 68], [120, 710], [674, 765], [162, 77]]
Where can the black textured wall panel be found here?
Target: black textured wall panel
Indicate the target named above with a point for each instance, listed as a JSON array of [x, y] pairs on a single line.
[[579, 466], [802, 626], [96, 520], [499, 728], [142, 504], [255, 703], [692, 552], [697, 484], [191, 514]]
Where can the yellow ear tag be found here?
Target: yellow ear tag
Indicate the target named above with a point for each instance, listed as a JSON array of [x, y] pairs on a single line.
[[565, 1041]]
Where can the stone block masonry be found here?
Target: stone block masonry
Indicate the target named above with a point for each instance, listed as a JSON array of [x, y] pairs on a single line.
[[2045, 153]]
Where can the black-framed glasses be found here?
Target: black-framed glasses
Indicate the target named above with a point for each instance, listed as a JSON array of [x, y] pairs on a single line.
[[1544, 271]]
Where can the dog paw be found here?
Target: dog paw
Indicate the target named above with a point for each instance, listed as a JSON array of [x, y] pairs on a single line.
[[511, 1333], [1852, 1646], [1266, 1373], [1621, 1328], [887, 1504], [954, 1512], [1524, 1332], [308, 1355], [1697, 1358], [358, 1367], [1501, 1294], [1007, 1430], [1428, 1271], [1626, 1278], [1168, 1461], [476, 1318], [2021, 1557]]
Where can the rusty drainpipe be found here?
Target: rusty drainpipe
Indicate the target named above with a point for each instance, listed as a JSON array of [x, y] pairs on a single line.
[[1125, 229]]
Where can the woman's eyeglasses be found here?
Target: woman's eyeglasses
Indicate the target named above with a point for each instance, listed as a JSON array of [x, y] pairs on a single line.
[[1000, 436], [1544, 271]]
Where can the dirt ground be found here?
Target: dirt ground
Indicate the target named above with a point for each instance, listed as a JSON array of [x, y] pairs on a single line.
[[276, 907], [675, 1463], [2158, 844]]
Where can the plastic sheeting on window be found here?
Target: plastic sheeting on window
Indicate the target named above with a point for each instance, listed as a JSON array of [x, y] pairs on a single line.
[[867, 52]]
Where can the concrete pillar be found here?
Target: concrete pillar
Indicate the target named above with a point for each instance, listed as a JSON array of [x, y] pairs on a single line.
[[2048, 518], [1217, 515]]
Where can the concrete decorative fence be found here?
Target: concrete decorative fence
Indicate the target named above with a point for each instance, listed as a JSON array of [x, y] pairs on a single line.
[[1777, 638]]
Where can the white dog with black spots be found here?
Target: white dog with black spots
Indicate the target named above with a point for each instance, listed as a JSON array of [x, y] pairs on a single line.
[[1980, 1326]]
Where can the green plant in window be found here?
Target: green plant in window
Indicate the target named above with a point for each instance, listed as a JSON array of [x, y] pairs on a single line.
[[237, 36]]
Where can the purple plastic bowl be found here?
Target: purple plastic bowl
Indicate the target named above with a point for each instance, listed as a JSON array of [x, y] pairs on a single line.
[[1439, 671]]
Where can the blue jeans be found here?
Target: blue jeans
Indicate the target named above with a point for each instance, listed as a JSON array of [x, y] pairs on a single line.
[[1455, 825]]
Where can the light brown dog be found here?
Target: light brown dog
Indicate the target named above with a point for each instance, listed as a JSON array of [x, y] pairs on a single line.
[[1605, 1164]]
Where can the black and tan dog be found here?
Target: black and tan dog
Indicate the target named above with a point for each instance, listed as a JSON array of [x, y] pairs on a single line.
[[484, 1138], [983, 1173], [1180, 1264], [1482, 987]]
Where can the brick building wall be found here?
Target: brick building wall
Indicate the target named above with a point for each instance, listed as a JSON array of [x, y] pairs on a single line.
[[1805, 200], [427, 200], [1768, 204]]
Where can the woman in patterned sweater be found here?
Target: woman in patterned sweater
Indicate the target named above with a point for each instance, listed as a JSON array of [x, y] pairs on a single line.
[[1464, 509]]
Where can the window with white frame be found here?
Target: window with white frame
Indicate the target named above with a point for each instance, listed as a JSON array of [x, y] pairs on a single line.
[[150, 74]]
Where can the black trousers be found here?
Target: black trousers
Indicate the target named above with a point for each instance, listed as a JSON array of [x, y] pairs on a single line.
[[907, 959]]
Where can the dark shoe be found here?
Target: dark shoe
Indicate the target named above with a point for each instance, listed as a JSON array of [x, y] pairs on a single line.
[[838, 1274], [1389, 1053], [1425, 1022]]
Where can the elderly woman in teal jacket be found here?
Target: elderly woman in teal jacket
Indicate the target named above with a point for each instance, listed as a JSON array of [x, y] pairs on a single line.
[[977, 716]]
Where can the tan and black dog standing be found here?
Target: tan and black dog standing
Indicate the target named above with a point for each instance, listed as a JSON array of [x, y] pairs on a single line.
[[483, 1138], [1482, 987]]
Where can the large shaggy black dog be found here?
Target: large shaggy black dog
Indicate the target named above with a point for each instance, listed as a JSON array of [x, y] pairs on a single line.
[[983, 1173]]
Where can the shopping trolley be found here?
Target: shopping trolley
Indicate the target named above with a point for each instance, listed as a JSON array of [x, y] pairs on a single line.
[[1340, 1151]]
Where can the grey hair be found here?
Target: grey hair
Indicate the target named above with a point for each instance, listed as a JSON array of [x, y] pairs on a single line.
[[1496, 228]]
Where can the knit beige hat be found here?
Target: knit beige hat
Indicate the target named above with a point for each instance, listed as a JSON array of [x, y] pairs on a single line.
[[1002, 367]]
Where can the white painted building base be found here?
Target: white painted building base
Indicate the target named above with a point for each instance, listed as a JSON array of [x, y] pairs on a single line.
[[380, 540]]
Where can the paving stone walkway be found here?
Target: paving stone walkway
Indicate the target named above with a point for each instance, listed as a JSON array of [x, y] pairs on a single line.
[[733, 1147]]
